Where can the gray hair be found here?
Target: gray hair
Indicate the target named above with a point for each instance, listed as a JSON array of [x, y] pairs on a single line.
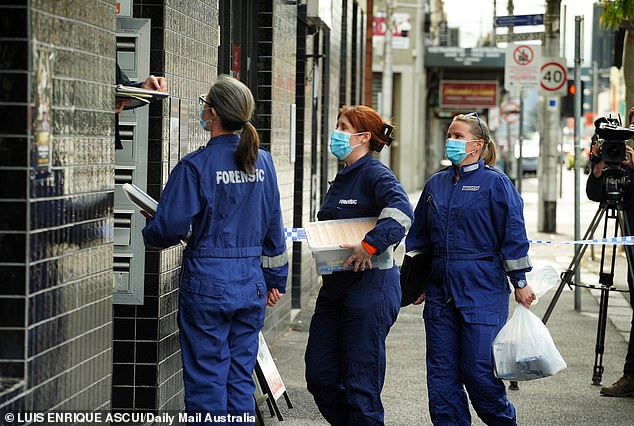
[[234, 104]]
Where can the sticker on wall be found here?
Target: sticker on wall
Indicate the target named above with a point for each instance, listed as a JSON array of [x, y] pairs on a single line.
[[42, 121]]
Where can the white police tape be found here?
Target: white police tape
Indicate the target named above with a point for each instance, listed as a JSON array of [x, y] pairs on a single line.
[[625, 241], [299, 234]]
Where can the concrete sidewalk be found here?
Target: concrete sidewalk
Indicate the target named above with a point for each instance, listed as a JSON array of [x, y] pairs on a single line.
[[568, 398]]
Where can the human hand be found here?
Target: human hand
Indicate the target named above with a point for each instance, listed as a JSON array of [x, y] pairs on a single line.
[[525, 296], [273, 296], [597, 169], [595, 152], [420, 299], [121, 104], [595, 149], [359, 258], [155, 83], [630, 157]]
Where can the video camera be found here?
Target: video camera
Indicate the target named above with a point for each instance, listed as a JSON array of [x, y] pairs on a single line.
[[611, 138]]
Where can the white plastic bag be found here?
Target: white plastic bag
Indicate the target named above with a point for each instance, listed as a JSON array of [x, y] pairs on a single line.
[[541, 280], [524, 349]]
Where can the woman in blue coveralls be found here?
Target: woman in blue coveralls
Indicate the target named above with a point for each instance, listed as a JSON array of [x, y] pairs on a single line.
[[345, 354], [472, 216], [235, 262]]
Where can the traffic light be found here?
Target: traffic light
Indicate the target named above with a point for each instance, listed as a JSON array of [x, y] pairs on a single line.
[[568, 101]]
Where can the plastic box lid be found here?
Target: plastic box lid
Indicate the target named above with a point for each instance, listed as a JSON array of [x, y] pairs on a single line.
[[325, 238], [330, 234]]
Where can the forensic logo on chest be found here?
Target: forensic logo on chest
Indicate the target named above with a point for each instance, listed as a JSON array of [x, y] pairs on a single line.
[[472, 188], [348, 201]]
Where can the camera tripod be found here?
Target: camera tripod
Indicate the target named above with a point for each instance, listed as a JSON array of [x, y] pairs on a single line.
[[609, 208]]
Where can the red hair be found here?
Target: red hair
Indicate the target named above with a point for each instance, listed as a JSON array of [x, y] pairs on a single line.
[[365, 119]]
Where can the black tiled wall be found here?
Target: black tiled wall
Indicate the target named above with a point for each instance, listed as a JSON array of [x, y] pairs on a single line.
[[277, 48], [301, 171], [56, 197], [147, 370], [13, 206], [184, 50]]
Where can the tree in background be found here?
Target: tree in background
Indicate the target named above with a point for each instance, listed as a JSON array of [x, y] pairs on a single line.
[[619, 14]]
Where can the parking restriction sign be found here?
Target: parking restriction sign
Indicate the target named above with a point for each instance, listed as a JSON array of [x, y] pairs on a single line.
[[522, 66], [510, 112]]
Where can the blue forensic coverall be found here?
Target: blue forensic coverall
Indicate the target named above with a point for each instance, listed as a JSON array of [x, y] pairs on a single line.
[[476, 227], [345, 354], [237, 250]]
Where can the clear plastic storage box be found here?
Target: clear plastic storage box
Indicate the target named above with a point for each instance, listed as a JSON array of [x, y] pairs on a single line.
[[325, 238]]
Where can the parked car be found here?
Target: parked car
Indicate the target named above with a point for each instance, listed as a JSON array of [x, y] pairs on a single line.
[[530, 153]]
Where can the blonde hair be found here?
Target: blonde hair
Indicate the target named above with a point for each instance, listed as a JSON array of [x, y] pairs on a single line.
[[480, 130]]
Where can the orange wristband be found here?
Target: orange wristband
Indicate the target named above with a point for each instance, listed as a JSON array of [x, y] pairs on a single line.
[[370, 249]]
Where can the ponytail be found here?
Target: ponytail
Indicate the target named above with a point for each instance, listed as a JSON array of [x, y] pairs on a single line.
[[234, 103], [247, 152], [489, 154]]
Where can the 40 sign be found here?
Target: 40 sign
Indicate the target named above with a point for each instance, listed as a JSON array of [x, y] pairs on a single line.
[[553, 77]]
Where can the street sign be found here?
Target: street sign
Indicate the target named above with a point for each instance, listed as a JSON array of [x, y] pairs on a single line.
[[522, 67], [552, 104], [510, 112], [519, 20], [553, 77], [507, 38], [472, 57]]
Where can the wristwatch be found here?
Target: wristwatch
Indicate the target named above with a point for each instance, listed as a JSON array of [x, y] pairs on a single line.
[[519, 283]]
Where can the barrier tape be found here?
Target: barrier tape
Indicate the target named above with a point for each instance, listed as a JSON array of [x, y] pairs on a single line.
[[299, 234], [295, 234], [625, 241]]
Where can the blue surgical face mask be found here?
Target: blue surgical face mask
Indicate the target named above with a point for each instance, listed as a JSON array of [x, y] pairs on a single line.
[[456, 150], [340, 144], [203, 123]]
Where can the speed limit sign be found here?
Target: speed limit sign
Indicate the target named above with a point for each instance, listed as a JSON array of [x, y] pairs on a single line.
[[553, 77]]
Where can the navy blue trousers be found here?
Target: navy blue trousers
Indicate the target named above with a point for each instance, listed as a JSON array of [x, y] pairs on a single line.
[[460, 356], [345, 355], [219, 321]]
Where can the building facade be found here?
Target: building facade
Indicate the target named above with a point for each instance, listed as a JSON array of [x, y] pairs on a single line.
[[87, 313], [399, 84]]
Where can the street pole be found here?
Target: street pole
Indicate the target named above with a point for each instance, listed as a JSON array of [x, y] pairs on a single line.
[[495, 13], [595, 87], [511, 144], [551, 131], [577, 135], [511, 7], [419, 87], [386, 107], [563, 32], [520, 139]]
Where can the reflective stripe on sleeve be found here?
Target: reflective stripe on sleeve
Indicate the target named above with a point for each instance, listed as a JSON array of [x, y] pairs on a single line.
[[516, 264], [274, 261], [398, 216]]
